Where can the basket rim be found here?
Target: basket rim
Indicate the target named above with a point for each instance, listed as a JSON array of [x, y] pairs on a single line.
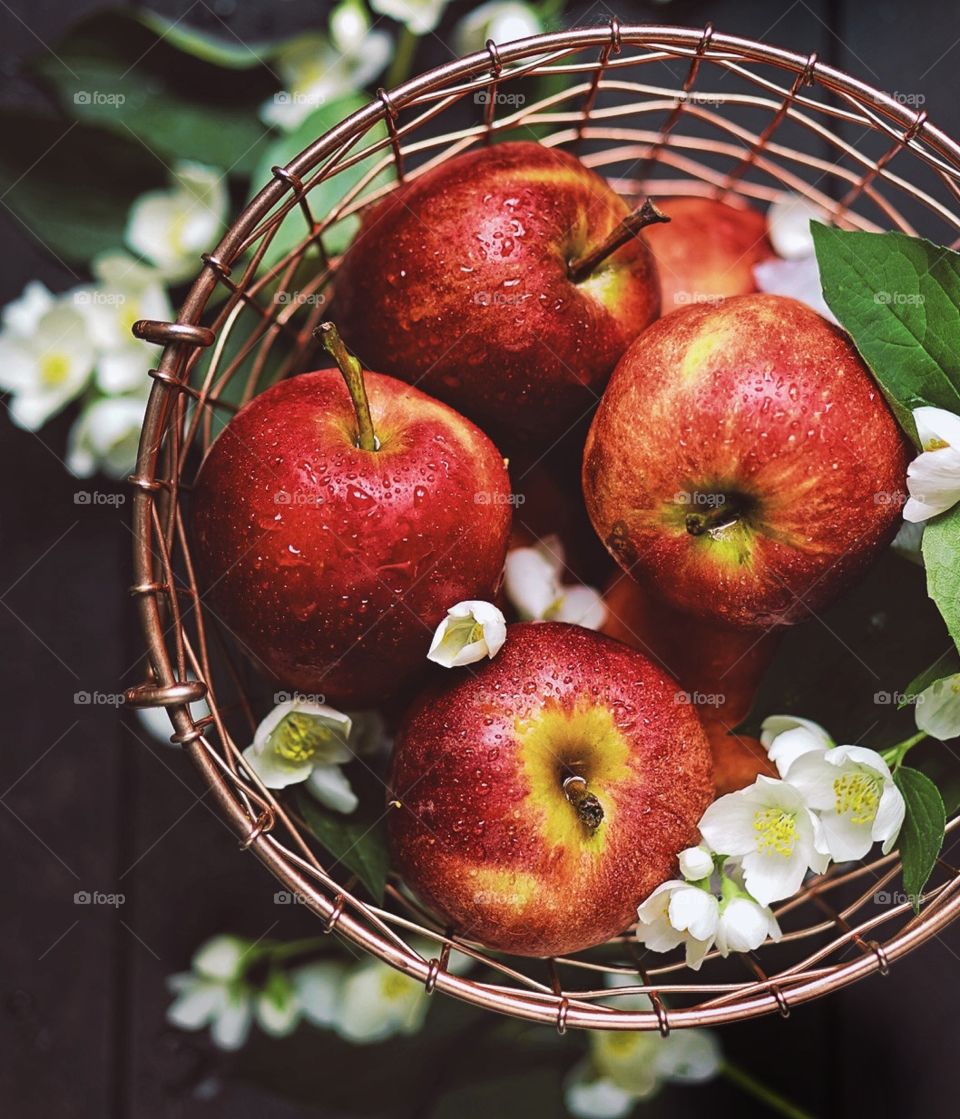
[[560, 1010]]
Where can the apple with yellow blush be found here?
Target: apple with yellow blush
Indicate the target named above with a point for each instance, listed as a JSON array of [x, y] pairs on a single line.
[[535, 802]]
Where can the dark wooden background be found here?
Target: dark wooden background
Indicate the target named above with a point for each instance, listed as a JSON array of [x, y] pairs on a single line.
[[89, 804]]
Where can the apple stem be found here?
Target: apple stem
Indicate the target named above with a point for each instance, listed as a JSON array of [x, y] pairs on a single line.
[[647, 213], [352, 372], [720, 515], [587, 806]]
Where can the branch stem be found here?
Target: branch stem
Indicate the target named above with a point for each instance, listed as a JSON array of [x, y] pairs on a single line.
[[588, 808], [647, 213], [753, 1087], [352, 372]]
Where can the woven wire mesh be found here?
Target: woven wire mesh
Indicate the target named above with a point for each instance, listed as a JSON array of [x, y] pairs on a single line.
[[691, 111]]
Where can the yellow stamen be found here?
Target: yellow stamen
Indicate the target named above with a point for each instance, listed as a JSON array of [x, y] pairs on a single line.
[[776, 832], [54, 369], [298, 737], [857, 794]]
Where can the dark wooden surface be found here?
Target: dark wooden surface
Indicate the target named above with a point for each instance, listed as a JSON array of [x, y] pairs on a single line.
[[89, 804]]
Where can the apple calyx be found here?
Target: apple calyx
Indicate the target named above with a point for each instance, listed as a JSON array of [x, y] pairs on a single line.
[[352, 372], [720, 514], [647, 213], [588, 808]]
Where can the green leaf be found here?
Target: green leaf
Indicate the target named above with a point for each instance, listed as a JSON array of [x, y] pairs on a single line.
[[113, 71], [899, 298], [946, 665], [941, 558], [357, 841], [921, 836], [230, 54], [71, 186], [324, 196]]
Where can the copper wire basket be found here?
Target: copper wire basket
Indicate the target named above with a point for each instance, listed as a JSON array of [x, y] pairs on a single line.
[[696, 112]]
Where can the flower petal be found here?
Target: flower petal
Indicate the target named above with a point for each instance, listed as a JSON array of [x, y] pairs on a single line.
[[695, 911], [696, 863], [318, 987], [580, 606], [937, 708], [588, 1096], [531, 581], [330, 785]]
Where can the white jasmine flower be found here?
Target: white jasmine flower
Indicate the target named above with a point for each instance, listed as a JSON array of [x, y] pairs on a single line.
[[677, 913], [127, 291], [787, 737], [276, 1007], [744, 925], [471, 631], [696, 863], [852, 790], [318, 987], [420, 16], [295, 738], [625, 1067], [933, 478], [798, 279], [500, 20], [532, 582], [106, 436], [938, 708], [317, 68], [376, 1001], [171, 228], [770, 828], [46, 355], [588, 1095], [156, 722], [788, 226], [214, 993]]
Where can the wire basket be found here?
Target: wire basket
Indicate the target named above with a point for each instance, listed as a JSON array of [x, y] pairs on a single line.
[[692, 110]]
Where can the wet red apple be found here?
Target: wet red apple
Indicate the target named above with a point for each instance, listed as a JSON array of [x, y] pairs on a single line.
[[538, 800], [718, 667], [770, 471], [334, 528], [494, 282], [707, 251]]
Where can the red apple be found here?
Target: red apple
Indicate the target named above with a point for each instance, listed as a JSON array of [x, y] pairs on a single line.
[[466, 281], [333, 555], [538, 800], [743, 462], [718, 666], [707, 251]]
